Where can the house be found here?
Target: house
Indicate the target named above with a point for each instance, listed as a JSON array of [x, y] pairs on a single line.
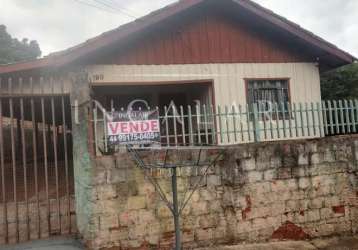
[[208, 53]]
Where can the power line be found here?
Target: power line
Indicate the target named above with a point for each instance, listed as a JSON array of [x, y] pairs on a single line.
[[114, 4], [115, 8], [96, 7], [124, 8]]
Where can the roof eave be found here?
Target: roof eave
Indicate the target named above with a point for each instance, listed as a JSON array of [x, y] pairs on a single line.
[[27, 65], [74, 53], [297, 31]]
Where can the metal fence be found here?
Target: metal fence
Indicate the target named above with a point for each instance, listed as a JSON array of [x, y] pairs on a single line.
[[229, 125], [36, 171]]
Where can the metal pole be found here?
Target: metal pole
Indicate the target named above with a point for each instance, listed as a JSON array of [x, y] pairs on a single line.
[[176, 209]]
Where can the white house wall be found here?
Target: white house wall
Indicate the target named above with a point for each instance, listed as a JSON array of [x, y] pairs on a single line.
[[228, 79], [229, 84]]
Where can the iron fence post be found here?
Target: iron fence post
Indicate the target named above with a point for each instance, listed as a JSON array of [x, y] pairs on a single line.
[[256, 122]]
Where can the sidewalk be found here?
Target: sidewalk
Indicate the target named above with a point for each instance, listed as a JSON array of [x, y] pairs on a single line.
[[60, 243], [335, 243]]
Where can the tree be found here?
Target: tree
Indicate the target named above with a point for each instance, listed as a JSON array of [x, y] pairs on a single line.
[[12, 50], [341, 83]]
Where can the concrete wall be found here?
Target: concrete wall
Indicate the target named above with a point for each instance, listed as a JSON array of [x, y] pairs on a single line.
[[82, 160], [280, 190]]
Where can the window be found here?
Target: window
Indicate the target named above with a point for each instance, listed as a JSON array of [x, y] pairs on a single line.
[[269, 95]]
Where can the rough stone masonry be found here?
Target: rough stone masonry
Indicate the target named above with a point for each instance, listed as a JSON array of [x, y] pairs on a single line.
[[296, 190]]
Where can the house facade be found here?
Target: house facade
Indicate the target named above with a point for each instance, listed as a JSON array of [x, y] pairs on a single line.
[[204, 56], [232, 53]]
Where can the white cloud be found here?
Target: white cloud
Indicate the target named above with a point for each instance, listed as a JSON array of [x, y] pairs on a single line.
[[59, 24], [333, 20]]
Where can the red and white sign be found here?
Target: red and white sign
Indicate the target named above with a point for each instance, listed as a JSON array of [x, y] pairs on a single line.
[[134, 127]]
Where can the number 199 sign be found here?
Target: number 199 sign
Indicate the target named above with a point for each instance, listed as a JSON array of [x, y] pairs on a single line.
[[134, 127]]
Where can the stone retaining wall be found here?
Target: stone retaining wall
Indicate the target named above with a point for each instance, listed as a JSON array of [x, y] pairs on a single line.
[[258, 192]]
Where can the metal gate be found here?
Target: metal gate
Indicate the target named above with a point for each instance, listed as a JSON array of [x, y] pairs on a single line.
[[37, 186]]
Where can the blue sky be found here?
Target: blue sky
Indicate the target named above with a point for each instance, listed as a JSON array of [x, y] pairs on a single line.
[[59, 24]]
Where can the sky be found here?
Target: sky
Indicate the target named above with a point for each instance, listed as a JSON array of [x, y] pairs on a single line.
[[60, 24]]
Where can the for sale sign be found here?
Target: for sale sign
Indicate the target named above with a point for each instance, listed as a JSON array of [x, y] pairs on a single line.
[[134, 127]]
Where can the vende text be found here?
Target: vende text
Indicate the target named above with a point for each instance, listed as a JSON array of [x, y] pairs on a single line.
[[132, 127]]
